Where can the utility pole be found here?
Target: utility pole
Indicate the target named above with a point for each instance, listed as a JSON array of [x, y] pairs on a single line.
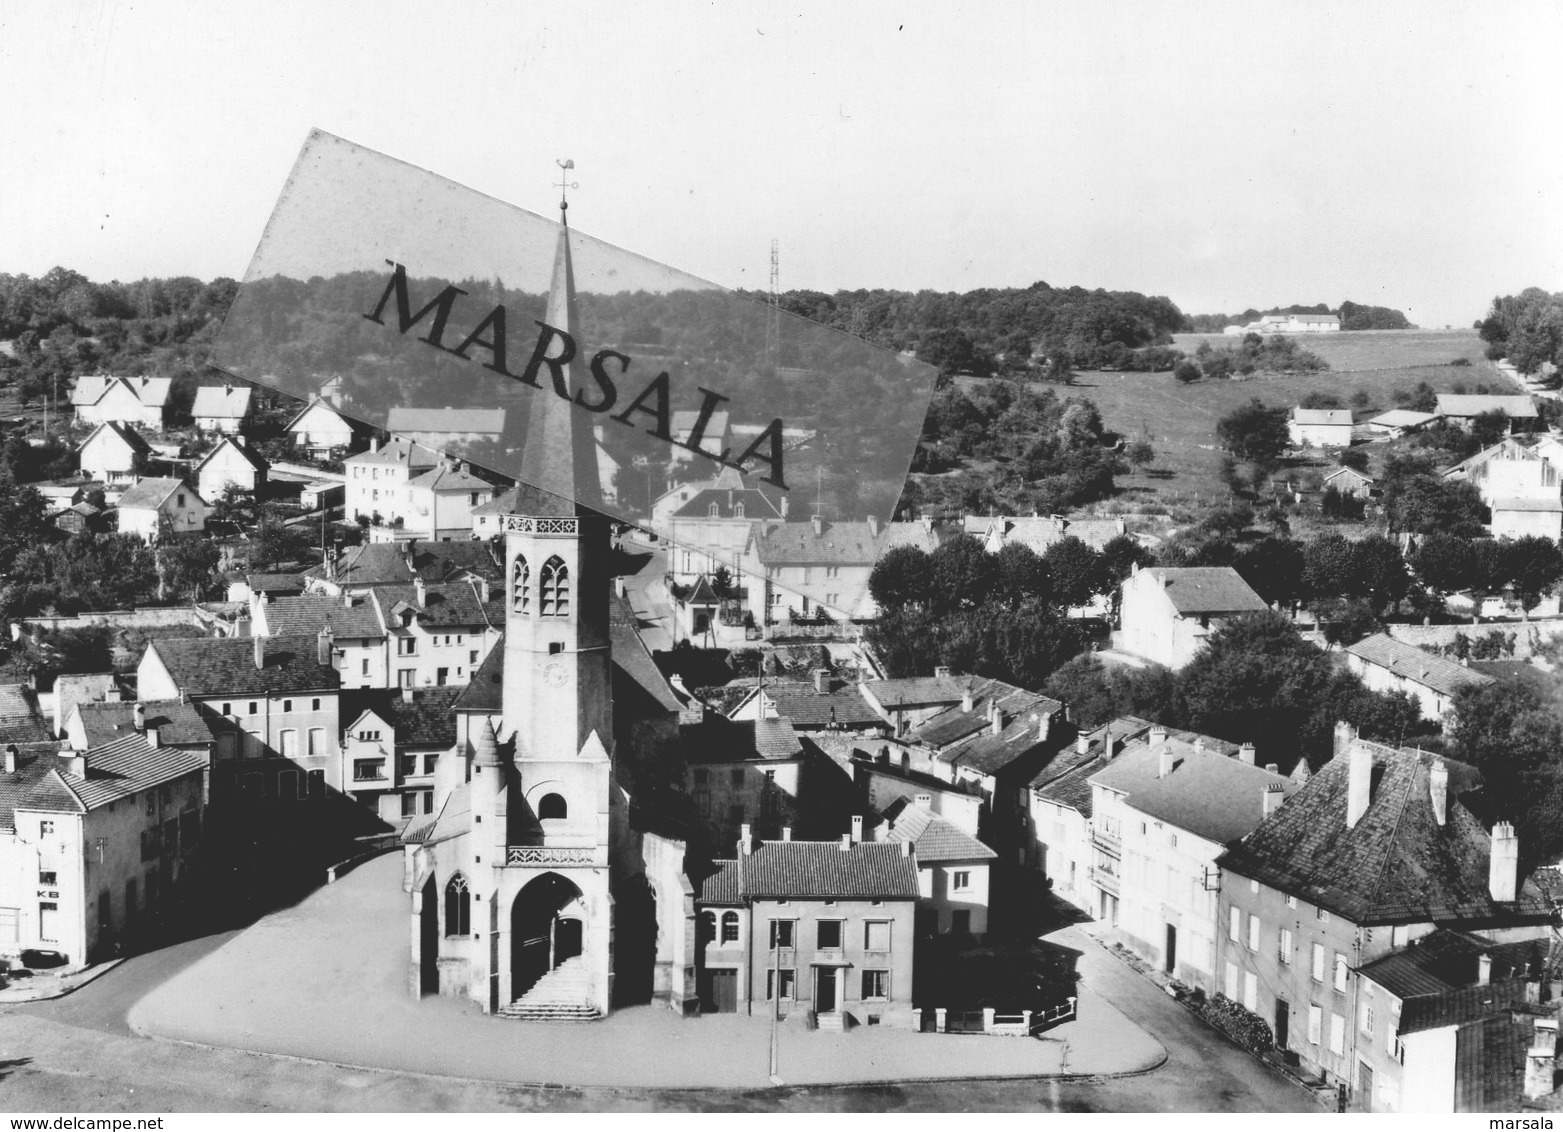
[[773, 311], [775, 992]]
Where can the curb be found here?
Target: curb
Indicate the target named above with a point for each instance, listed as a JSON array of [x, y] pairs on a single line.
[[80, 979]]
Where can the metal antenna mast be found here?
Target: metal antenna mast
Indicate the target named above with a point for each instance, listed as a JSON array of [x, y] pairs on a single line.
[[773, 314]]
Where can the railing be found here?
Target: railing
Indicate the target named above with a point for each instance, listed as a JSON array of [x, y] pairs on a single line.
[[1015, 1024], [1104, 878], [1104, 840]]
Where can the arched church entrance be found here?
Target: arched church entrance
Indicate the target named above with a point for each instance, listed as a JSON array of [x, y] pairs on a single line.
[[547, 928], [429, 939]]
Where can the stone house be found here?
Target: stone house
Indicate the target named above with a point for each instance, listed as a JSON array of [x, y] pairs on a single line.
[[1388, 665], [1320, 428], [952, 869]]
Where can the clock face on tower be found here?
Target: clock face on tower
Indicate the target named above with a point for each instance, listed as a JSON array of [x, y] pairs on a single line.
[[554, 675]]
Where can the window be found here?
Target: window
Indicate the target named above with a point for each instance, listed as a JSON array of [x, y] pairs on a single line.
[[1337, 1034], [48, 878], [317, 783], [770, 804], [782, 933], [314, 704], [428, 801], [729, 927], [407, 765], [472, 657], [1318, 963], [49, 921], [254, 707], [363, 668], [1231, 981], [737, 777], [876, 935], [829, 935], [1235, 924], [369, 736], [1367, 1019], [404, 677], [876, 984], [1315, 1024], [707, 930], [701, 775], [1250, 991], [368, 770], [1253, 933], [553, 808], [713, 512], [1340, 972], [554, 589], [1286, 946], [228, 708], [789, 983], [1291, 901], [738, 510], [287, 705], [290, 744], [46, 828], [317, 740], [409, 805], [960, 880], [287, 786], [703, 802], [1321, 915], [406, 646], [151, 803], [429, 762], [458, 907]]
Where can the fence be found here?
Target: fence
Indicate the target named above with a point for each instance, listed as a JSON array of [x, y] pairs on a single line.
[[116, 619], [1020, 1024]]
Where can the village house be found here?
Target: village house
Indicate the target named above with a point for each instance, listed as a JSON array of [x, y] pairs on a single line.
[[713, 438], [1039, 532], [436, 633], [181, 725], [1374, 851], [1320, 428], [907, 701], [371, 565], [797, 569], [1399, 422], [232, 464], [881, 784], [444, 430], [747, 776], [818, 928], [222, 408], [1520, 485], [72, 688], [320, 431], [1388, 665], [113, 454], [824, 703], [391, 750], [21, 721], [94, 843], [157, 507], [279, 694], [358, 635], [140, 401], [711, 523], [377, 479], [1349, 481], [1168, 810], [438, 507], [952, 869], [1167, 612], [1464, 408]]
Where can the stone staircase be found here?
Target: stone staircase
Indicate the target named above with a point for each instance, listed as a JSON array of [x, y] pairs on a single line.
[[559, 996], [834, 1021]]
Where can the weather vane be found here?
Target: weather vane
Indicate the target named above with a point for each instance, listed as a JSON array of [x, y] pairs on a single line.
[[564, 185]]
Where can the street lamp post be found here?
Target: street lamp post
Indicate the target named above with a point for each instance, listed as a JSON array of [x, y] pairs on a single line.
[[775, 1004]]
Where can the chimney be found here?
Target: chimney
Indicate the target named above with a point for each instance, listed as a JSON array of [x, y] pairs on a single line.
[[1123, 527], [873, 526], [1273, 797], [745, 838], [1483, 969], [10, 758], [1438, 787], [786, 833], [1199, 745], [259, 651], [483, 595], [1343, 737], [1158, 735], [1503, 868], [1359, 783], [846, 842], [323, 647], [906, 848], [374, 444], [822, 680], [818, 523], [784, 507], [75, 764], [1246, 753], [154, 738], [927, 521], [1541, 1060], [1168, 762], [857, 828], [138, 715], [1082, 743], [941, 671], [923, 800], [420, 591], [407, 695], [1273, 768], [967, 702]]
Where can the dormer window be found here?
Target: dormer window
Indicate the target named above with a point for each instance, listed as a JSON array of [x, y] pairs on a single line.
[[738, 510], [554, 589], [714, 511], [406, 619]]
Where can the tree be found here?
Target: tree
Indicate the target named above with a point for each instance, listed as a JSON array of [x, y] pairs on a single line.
[[1534, 567], [1490, 427], [1139, 453], [960, 574], [1378, 572], [1186, 371], [1490, 572], [722, 583], [1021, 576], [1424, 504], [1274, 568], [1098, 693], [1354, 458], [24, 519], [188, 567], [1506, 730], [1254, 433], [1076, 571], [1327, 568], [274, 543], [1444, 562]]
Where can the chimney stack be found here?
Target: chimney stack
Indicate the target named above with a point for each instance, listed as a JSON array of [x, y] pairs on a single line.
[[857, 828], [1158, 735], [1541, 1059], [1483, 969], [873, 526], [1359, 783], [420, 591], [1273, 797], [407, 694], [1168, 762], [154, 738], [822, 680], [259, 651], [1246, 753], [967, 701], [138, 715], [941, 671], [846, 842], [1082, 743], [786, 833], [1438, 787], [923, 800], [1343, 737], [906, 848], [1503, 870], [1044, 725], [10, 758], [323, 644], [818, 523], [76, 764]]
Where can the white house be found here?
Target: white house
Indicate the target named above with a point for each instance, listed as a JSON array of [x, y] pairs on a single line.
[[156, 506], [231, 464], [319, 430], [709, 523], [1320, 428], [113, 454], [952, 869], [439, 505], [1288, 324], [1520, 485], [127, 400], [377, 479], [1168, 612], [221, 408], [445, 429], [1388, 665]]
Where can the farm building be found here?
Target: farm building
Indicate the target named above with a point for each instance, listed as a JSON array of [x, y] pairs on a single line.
[[1320, 428], [1398, 422], [1288, 324], [1463, 408], [1349, 481], [1388, 665]]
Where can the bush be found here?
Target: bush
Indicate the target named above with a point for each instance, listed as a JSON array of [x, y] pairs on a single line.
[[1243, 1026]]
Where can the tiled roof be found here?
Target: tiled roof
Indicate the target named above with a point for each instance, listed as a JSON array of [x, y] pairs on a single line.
[[151, 492], [114, 771], [1207, 589], [444, 605], [1348, 473], [718, 739], [843, 544], [1436, 672], [424, 720], [20, 719], [1210, 795], [953, 724], [443, 477], [721, 886], [633, 658], [1474, 404], [229, 402], [398, 452], [934, 838], [775, 739], [925, 537], [1321, 416], [310, 613], [917, 690], [755, 504], [410, 419], [485, 693], [178, 724], [249, 455], [1018, 746], [130, 436], [1447, 960], [279, 584], [383, 563], [1396, 865], [822, 870], [217, 666], [843, 704]]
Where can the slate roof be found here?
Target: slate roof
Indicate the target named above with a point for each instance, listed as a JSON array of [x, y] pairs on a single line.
[[116, 770], [150, 391], [410, 419], [1349, 473], [383, 563], [843, 704], [1474, 404], [250, 456], [717, 739], [277, 584], [444, 605], [398, 452], [1446, 960], [1066, 780], [837, 544], [151, 492], [822, 870], [424, 720], [917, 690], [1321, 416], [755, 503], [485, 692], [1207, 589], [443, 477], [1403, 418], [178, 724], [1396, 865], [775, 739], [1210, 795], [954, 724], [933, 838], [20, 719], [1436, 672], [1041, 531], [227, 402], [130, 436], [217, 666], [310, 613], [633, 658]]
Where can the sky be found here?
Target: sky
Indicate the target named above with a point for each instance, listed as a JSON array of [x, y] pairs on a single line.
[[1224, 155]]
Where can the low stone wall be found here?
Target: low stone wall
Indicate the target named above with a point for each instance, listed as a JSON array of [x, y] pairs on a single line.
[[1527, 634], [115, 618]]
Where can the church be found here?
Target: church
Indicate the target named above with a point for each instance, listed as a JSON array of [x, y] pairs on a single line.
[[532, 891]]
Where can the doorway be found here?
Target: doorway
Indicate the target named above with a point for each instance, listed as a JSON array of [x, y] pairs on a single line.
[[546, 929], [1171, 964], [1283, 1023], [429, 940], [719, 994], [824, 990]]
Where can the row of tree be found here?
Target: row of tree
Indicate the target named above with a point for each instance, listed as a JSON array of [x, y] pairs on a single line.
[[1526, 328], [1353, 316]]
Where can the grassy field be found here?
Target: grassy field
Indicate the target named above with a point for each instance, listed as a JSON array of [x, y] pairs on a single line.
[[1373, 349]]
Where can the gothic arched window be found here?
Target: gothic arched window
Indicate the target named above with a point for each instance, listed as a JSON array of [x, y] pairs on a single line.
[[521, 586], [554, 589], [458, 907], [552, 806]]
